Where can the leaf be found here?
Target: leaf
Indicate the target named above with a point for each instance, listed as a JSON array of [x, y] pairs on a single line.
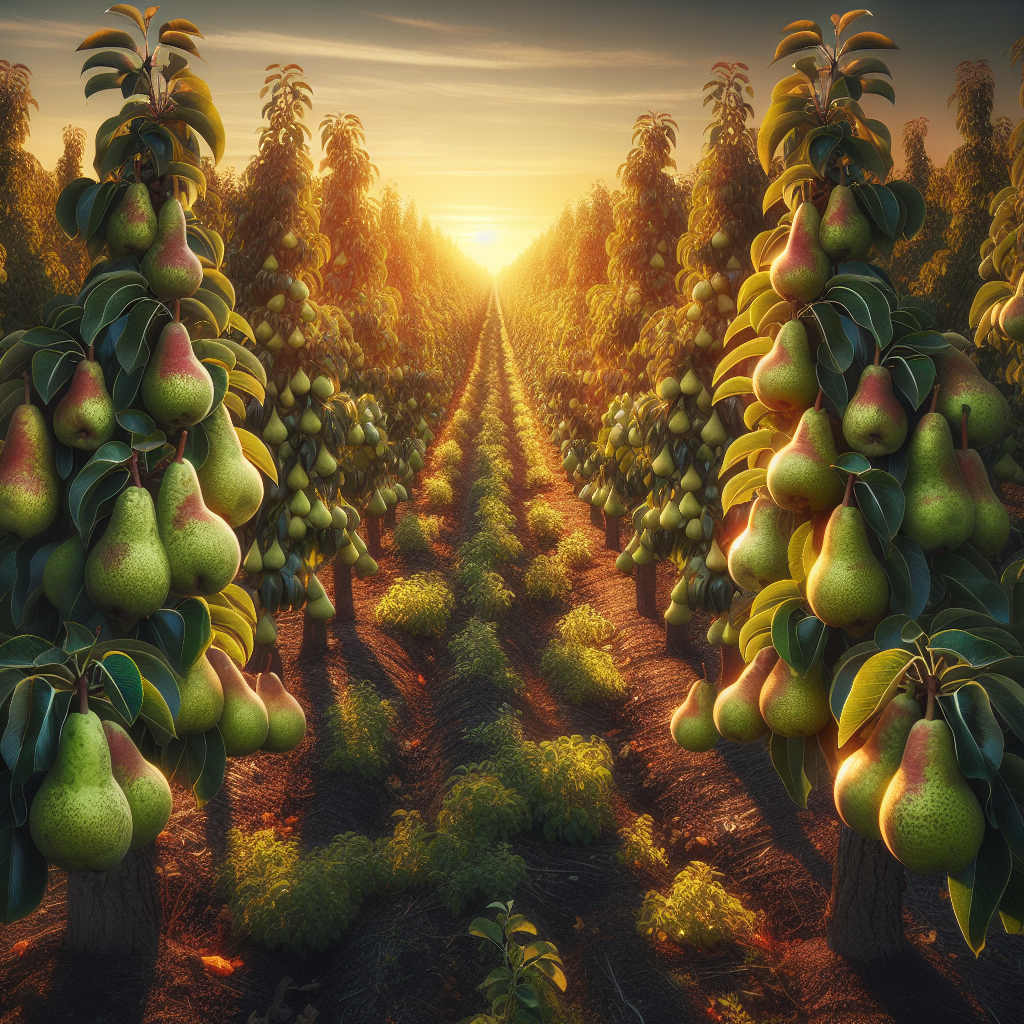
[[775, 130], [788, 760], [732, 387], [972, 587], [23, 874], [198, 631], [909, 576], [914, 204], [755, 347], [784, 635], [741, 487], [838, 345], [108, 37], [966, 646], [123, 685], [875, 683], [1007, 698], [866, 306], [257, 453], [744, 446], [207, 785], [795, 42], [975, 893], [882, 504], [67, 204], [867, 41]]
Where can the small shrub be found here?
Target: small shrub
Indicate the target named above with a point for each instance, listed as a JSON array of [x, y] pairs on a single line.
[[485, 590], [479, 657], [574, 550], [416, 533], [585, 626], [581, 673], [503, 734], [421, 605], [467, 871], [439, 493], [449, 455], [490, 487], [491, 545], [698, 913], [408, 850], [547, 579], [481, 805], [493, 513], [360, 726], [539, 475], [544, 521], [638, 849]]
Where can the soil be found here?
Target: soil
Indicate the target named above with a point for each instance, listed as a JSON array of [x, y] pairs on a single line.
[[405, 959]]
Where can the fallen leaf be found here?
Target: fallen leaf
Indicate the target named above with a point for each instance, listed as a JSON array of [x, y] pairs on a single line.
[[20, 947], [218, 965], [421, 681], [580, 923]]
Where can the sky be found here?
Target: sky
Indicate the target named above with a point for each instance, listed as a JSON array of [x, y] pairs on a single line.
[[492, 116]]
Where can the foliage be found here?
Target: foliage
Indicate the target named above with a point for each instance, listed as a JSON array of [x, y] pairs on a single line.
[[439, 493], [546, 579], [583, 674], [479, 657], [470, 870], [420, 605], [416, 533], [481, 806], [574, 550], [698, 913], [545, 522], [585, 626], [360, 726], [638, 846], [485, 590]]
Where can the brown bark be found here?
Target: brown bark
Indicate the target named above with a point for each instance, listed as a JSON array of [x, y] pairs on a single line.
[[647, 590], [596, 517], [611, 534], [344, 605], [373, 536], [677, 640], [115, 912], [390, 518], [864, 920], [568, 476]]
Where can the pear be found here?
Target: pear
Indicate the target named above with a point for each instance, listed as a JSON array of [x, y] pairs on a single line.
[[864, 776], [318, 604], [148, 794], [202, 699], [800, 476], [80, 819], [929, 818], [875, 423], [939, 510], [802, 269], [127, 575], [172, 269], [670, 518], [64, 574], [232, 485], [253, 561], [693, 726], [847, 586], [326, 464], [133, 227], [177, 389], [84, 417], [991, 520], [759, 555], [202, 549], [794, 705], [275, 432], [29, 485], [845, 233], [273, 558], [1011, 316], [266, 631], [664, 465], [287, 720], [244, 724], [960, 384], [784, 378], [737, 712]]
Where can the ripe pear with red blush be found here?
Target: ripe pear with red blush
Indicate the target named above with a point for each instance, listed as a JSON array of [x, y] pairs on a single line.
[[287, 719], [148, 794], [244, 723], [800, 476], [784, 379], [803, 268], [29, 484], [84, 417], [737, 714], [172, 269], [693, 724], [991, 519], [875, 422], [177, 389], [845, 233]]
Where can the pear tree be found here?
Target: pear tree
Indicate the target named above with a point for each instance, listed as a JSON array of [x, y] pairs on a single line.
[[882, 615], [121, 478]]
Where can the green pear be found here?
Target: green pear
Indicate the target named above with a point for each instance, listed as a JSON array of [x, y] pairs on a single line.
[[991, 520], [693, 725], [800, 475], [864, 776], [202, 699], [275, 432], [784, 378], [177, 389], [244, 724], [64, 574], [1011, 316], [939, 510], [84, 417], [737, 712], [845, 233], [875, 423], [802, 269], [664, 465], [133, 227], [29, 485], [202, 549], [961, 384], [930, 818], [80, 819], [127, 575], [232, 485], [287, 719], [273, 558], [847, 586], [148, 794], [794, 705], [760, 554], [172, 269]]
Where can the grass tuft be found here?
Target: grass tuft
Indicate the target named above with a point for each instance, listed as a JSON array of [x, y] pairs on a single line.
[[575, 551], [416, 533], [544, 522]]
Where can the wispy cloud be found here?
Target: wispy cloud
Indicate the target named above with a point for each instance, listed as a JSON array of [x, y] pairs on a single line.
[[39, 34], [433, 26]]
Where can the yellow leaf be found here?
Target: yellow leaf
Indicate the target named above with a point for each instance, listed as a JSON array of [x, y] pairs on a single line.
[[245, 381], [753, 414], [741, 487], [257, 453], [745, 445], [795, 552], [774, 594], [751, 288], [873, 686], [733, 386], [755, 347], [738, 327]]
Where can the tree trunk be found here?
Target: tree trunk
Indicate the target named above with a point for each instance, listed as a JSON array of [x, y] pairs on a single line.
[[344, 605], [596, 518], [390, 518], [408, 493], [373, 536], [115, 912], [647, 590], [568, 476], [677, 640], [611, 534], [864, 920]]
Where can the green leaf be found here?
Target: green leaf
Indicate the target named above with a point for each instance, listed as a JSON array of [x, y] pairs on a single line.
[[866, 306], [132, 349], [784, 635], [914, 377], [67, 204], [198, 632], [837, 342], [976, 892], [909, 576], [51, 371], [125, 691], [971, 587], [156, 714], [108, 37], [882, 504], [1007, 698], [78, 639], [970, 648], [913, 202], [483, 928], [23, 874], [211, 778], [1011, 906], [875, 683], [787, 756]]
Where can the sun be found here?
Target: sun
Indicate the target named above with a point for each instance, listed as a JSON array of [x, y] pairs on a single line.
[[485, 236]]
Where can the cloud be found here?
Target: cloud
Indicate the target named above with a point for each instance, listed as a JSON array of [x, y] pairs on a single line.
[[38, 34], [433, 26]]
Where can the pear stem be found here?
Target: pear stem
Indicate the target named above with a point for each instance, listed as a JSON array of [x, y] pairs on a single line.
[[180, 453], [963, 428], [83, 695], [270, 658], [935, 399], [135, 469], [878, 355], [929, 712], [28, 392], [849, 490], [818, 401], [89, 357]]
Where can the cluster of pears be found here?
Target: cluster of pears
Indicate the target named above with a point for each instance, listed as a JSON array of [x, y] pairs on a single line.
[[288, 311], [904, 786]]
